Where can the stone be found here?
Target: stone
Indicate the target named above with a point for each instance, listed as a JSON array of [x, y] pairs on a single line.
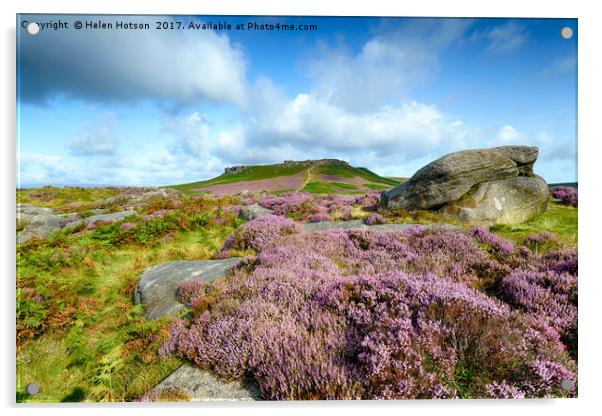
[[202, 385], [25, 209], [110, 217], [448, 178], [250, 212], [524, 156], [157, 288], [505, 201], [40, 226]]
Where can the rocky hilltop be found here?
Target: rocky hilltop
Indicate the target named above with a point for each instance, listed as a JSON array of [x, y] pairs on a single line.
[[289, 163], [490, 186]]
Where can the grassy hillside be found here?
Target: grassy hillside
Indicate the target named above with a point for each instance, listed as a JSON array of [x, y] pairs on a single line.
[[330, 176]]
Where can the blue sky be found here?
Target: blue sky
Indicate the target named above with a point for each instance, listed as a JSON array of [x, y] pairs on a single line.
[[158, 107]]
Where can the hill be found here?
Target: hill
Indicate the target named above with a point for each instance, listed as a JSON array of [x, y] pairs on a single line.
[[323, 176]]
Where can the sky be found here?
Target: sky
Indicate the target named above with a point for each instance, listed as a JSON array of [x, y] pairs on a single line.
[[160, 106]]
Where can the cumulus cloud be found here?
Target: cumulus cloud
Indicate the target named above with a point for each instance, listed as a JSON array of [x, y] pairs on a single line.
[[387, 67], [174, 67], [359, 105], [39, 169], [505, 38], [96, 138], [507, 134]]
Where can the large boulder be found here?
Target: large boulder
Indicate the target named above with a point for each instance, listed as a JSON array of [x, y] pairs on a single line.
[[505, 201], [158, 286], [449, 178], [477, 186]]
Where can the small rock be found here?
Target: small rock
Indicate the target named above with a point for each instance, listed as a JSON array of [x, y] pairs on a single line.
[[28, 209], [201, 385], [106, 218], [157, 288], [251, 212]]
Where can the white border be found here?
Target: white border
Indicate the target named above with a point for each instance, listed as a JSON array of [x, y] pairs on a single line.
[[590, 387]]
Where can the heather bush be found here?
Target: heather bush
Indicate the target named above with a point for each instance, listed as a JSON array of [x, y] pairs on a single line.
[[375, 219], [565, 194], [541, 242], [302, 206], [548, 296], [319, 218], [346, 214], [258, 233], [494, 242], [349, 314]]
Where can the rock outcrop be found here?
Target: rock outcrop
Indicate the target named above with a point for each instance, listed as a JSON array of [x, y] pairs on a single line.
[[157, 288], [483, 186]]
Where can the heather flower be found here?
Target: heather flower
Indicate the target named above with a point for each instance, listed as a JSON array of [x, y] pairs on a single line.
[[566, 195], [347, 314], [157, 214], [127, 226], [546, 295], [375, 219], [541, 238], [544, 379], [260, 232], [319, 218], [346, 215], [495, 242], [502, 390]]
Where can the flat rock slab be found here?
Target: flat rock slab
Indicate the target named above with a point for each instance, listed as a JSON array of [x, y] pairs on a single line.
[[359, 225], [40, 226], [111, 217], [29, 210], [201, 385], [251, 212], [157, 288]]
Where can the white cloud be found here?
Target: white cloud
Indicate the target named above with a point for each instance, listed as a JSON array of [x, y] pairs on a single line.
[[558, 67], [387, 67], [507, 135], [96, 138], [173, 67], [505, 38]]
